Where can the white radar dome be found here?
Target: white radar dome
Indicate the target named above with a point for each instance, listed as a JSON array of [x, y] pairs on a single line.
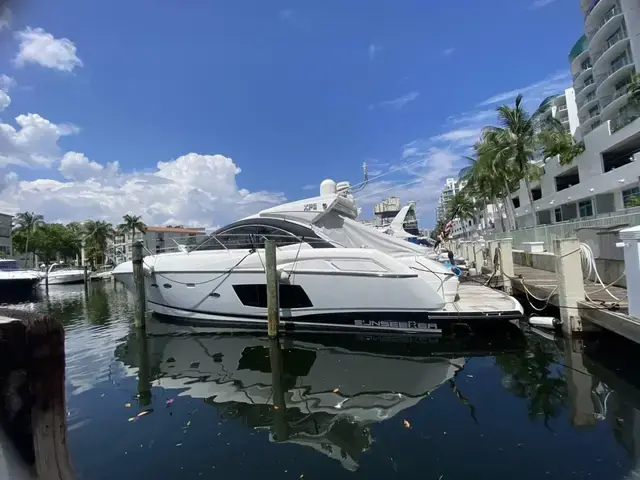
[[328, 187]]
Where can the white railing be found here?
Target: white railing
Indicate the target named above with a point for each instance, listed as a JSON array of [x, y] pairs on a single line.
[[548, 233]]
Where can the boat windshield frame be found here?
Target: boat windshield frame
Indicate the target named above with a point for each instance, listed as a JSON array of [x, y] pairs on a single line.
[[12, 265], [284, 232]]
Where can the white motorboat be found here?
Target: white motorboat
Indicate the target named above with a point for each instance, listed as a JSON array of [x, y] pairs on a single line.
[[14, 280], [103, 273], [64, 274], [334, 273]]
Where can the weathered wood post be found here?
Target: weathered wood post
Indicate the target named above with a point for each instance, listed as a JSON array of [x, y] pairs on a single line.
[[86, 277], [139, 297], [32, 372], [277, 386], [144, 369], [506, 263], [570, 283], [493, 244], [273, 303]]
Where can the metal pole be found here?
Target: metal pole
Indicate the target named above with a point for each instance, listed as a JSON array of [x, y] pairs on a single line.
[[273, 307], [139, 297]]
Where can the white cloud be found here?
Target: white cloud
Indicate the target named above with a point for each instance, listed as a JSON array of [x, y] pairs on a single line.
[[373, 50], [75, 166], [460, 138], [6, 83], [448, 51], [555, 83], [191, 190], [397, 103], [42, 48], [34, 144], [541, 3], [310, 186], [421, 182], [475, 118], [5, 100]]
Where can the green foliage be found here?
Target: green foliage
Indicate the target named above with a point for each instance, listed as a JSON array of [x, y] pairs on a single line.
[[96, 236], [560, 143], [633, 88], [131, 223], [633, 201], [536, 377], [54, 239]]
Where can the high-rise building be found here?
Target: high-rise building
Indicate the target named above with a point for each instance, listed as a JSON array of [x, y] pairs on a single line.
[[563, 108], [604, 179], [451, 187], [603, 60]]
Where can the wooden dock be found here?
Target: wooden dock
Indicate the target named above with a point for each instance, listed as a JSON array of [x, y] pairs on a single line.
[[585, 307]]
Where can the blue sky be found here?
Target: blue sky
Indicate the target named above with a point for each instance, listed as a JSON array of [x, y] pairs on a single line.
[[289, 93]]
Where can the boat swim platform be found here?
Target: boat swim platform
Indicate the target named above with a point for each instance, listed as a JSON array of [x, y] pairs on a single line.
[[602, 310], [474, 298]]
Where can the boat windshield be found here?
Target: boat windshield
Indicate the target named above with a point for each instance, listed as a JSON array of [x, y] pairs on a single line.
[[60, 266], [9, 265]]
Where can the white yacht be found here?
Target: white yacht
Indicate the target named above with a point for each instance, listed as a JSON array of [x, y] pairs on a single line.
[[334, 273], [14, 280], [64, 274], [103, 273]]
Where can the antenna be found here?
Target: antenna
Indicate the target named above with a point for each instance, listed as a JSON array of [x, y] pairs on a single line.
[[363, 184]]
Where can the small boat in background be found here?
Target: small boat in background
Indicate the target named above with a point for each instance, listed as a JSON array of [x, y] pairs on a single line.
[[64, 274], [103, 273], [15, 280]]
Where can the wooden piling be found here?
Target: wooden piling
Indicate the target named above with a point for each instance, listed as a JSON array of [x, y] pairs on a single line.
[[86, 277], [273, 304], [139, 297], [32, 385], [277, 386], [570, 283], [144, 369]]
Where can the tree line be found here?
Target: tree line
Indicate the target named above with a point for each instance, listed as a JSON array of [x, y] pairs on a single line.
[[504, 156], [31, 235]]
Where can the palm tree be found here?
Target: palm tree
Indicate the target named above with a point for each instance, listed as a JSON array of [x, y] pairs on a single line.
[[515, 143], [27, 223], [97, 234], [461, 206], [131, 223], [560, 143]]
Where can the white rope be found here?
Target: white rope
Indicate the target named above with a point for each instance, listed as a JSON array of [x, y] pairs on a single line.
[[590, 267]]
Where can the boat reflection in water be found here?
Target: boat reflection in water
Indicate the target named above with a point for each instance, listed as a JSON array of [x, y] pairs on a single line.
[[321, 391]]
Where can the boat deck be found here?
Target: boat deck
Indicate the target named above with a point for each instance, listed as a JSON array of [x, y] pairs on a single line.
[[475, 298]]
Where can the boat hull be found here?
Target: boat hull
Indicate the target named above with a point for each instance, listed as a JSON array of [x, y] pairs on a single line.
[[18, 286], [68, 279]]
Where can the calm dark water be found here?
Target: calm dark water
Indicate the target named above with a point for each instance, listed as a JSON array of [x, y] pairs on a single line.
[[221, 406]]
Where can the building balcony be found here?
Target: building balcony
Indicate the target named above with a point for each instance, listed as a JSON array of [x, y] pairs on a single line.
[[585, 89], [578, 54], [611, 104], [606, 81], [590, 122], [625, 119], [580, 76], [599, 22], [612, 48], [586, 104]]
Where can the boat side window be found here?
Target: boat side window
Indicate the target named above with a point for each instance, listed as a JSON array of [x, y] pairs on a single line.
[[237, 238], [280, 237], [9, 265]]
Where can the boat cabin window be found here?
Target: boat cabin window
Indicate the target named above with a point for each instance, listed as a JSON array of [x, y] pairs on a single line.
[[60, 266], [250, 234], [6, 265]]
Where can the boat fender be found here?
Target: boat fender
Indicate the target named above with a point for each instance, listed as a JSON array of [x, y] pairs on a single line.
[[544, 322], [147, 270], [283, 276]]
